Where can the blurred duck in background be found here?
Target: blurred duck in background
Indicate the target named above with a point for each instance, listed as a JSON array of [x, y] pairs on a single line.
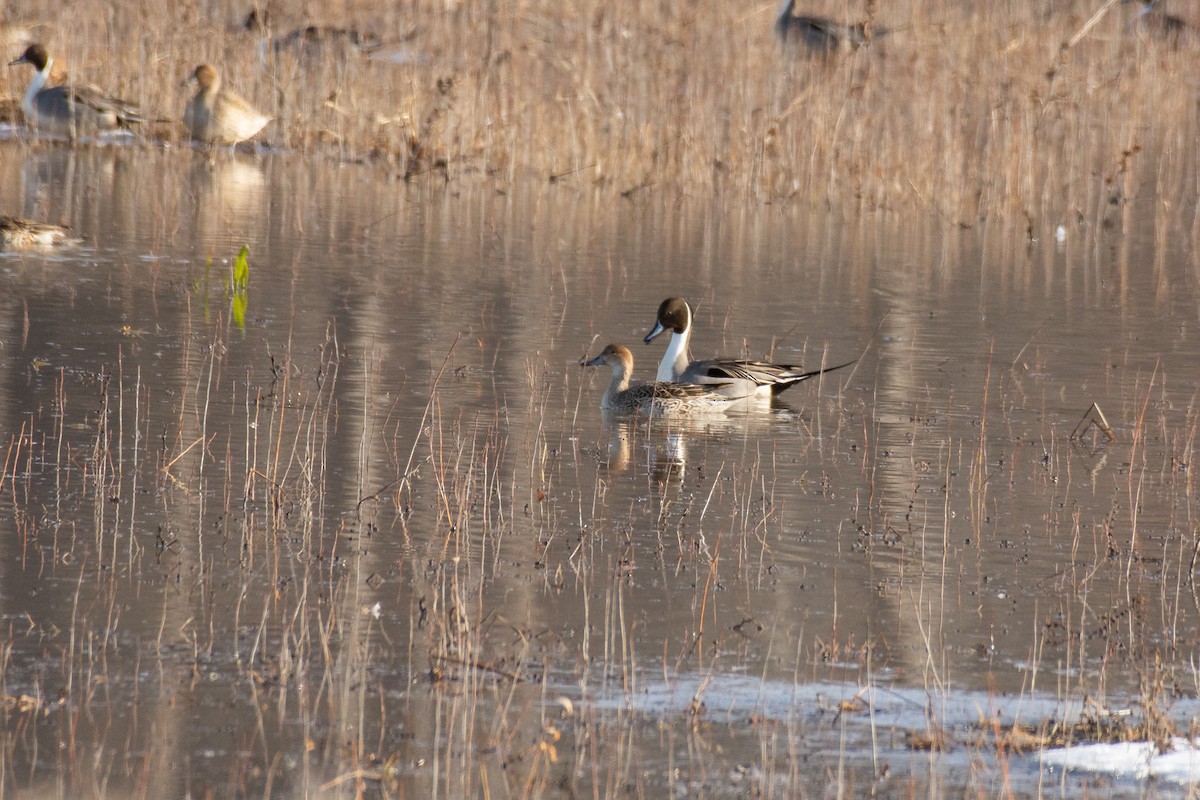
[[18, 233], [822, 36], [312, 41], [1153, 21], [56, 105], [217, 115]]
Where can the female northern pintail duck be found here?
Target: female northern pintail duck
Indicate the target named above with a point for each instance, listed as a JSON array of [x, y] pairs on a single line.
[[72, 108], [666, 399], [820, 34], [217, 115], [19, 233], [731, 377]]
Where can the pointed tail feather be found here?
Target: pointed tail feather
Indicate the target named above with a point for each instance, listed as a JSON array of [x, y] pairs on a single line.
[[783, 386]]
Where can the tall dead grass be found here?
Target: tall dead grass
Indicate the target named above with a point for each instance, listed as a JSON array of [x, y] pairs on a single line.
[[968, 111]]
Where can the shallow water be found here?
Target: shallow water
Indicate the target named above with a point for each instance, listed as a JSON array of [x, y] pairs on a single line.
[[373, 531]]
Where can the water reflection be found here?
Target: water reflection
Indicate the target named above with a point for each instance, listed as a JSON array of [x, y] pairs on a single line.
[[376, 529], [633, 444], [229, 190]]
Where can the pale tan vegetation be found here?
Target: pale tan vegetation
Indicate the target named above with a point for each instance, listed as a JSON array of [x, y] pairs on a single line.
[[967, 110]]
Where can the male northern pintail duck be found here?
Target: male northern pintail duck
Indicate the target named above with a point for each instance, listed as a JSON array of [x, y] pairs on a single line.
[[19, 233], [217, 115], [70, 108], [731, 377], [663, 399], [819, 34]]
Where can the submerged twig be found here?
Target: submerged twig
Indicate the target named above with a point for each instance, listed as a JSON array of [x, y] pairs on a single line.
[[1093, 416]]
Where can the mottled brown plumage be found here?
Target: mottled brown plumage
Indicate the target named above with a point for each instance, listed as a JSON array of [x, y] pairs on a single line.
[[18, 233], [665, 399]]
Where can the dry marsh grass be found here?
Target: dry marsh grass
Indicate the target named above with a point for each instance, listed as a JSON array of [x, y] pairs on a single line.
[[967, 111]]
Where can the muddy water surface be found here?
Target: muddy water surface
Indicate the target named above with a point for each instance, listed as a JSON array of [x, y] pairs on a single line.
[[361, 528]]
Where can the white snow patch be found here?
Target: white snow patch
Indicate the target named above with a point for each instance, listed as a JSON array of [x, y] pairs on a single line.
[[1180, 764]]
